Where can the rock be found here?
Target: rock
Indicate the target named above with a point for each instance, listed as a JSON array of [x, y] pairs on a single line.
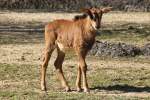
[[130, 27], [22, 58], [114, 50], [146, 49]]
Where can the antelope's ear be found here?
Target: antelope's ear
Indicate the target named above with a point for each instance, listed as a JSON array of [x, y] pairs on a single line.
[[106, 10]]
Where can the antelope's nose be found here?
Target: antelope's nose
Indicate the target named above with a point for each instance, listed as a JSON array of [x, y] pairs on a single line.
[[98, 26]]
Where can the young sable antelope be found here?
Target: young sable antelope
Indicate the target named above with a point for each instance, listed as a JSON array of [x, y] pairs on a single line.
[[78, 34]]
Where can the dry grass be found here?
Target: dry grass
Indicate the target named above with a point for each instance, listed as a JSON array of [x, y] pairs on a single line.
[[127, 17], [119, 78], [109, 78], [115, 25], [110, 18]]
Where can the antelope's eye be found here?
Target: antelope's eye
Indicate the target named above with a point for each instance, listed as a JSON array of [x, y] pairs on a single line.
[[95, 16]]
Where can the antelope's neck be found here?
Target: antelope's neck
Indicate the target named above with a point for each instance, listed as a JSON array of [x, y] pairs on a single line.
[[88, 27]]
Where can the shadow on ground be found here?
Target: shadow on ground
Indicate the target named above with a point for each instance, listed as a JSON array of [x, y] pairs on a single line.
[[123, 88]]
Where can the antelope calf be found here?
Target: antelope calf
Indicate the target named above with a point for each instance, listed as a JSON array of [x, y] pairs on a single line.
[[78, 34]]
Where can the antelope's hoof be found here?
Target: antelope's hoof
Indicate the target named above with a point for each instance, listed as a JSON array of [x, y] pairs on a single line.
[[67, 89], [43, 88], [79, 90], [86, 90]]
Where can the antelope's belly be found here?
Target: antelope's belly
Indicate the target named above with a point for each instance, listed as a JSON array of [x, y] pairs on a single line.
[[64, 47]]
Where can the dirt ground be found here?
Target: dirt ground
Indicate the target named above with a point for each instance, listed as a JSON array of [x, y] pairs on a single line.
[[109, 78]]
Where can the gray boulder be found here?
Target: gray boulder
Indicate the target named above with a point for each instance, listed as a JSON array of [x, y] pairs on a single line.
[[114, 50]]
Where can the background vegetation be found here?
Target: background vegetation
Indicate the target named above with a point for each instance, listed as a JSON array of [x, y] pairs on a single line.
[[74, 5]]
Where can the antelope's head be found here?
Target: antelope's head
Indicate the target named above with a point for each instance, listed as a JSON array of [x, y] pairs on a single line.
[[95, 14]]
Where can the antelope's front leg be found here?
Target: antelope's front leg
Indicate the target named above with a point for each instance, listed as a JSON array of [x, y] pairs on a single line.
[[83, 68], [78, 81]]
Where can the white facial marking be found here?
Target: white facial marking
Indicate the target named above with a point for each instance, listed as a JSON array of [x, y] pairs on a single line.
[[93, 24]]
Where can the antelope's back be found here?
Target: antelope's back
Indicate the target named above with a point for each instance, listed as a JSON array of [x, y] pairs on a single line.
[[66, 31]]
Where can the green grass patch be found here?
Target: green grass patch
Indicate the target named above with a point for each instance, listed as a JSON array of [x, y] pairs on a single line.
[[28, 95], [22, 82]]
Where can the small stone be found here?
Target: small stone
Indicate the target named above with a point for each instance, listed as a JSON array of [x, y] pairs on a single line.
[[22, 58]]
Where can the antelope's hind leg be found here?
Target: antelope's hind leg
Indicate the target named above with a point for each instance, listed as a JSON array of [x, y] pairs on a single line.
[[58, 65], [47, 54]]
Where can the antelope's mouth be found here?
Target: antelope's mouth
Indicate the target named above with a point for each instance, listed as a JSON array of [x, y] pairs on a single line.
[[98, 27]]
